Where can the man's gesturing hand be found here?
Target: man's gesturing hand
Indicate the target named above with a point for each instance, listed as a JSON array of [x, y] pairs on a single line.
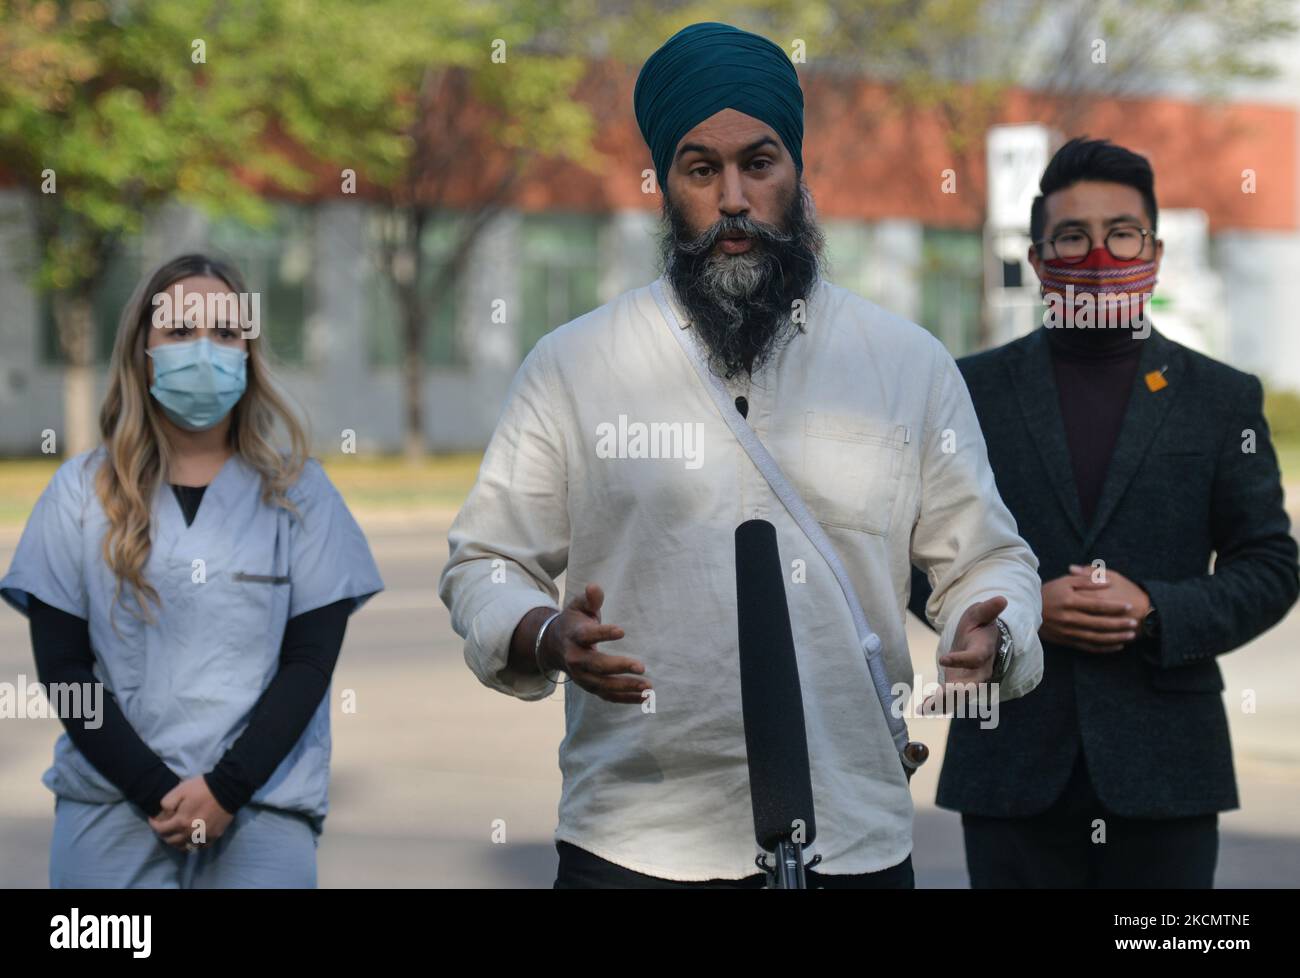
[[970, 659], [570, 644], [974, 644]]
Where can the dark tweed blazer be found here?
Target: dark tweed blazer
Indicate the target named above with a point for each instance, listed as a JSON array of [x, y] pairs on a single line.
[[1180, 488]]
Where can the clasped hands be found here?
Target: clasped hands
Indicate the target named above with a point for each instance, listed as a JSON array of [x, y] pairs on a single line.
[[187, 809]]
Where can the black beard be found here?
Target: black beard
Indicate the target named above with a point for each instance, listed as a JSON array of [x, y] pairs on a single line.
[[742, 305]]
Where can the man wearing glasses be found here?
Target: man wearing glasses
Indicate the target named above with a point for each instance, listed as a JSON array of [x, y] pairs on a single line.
[[1142, 475]]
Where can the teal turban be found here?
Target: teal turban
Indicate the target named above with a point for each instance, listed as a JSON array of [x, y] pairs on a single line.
[[708, 67]]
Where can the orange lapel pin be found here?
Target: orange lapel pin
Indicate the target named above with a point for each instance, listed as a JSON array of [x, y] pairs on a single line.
[[1156, 379]]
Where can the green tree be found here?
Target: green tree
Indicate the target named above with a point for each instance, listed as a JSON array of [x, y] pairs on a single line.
[[110, 110], [107, 112]]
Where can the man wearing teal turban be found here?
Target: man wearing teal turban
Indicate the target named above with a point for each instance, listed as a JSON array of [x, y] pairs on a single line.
[[705, 68], [621, 460], [722, 113]]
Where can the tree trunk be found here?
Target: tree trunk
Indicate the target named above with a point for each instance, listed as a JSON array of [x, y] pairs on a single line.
[[411, 382], [408, 289], [75, 325]]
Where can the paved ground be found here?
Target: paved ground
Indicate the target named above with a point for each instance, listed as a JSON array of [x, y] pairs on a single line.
[[431, 758]]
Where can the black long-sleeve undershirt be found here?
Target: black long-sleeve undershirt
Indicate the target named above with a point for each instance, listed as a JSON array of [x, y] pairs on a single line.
[[308, 654], [61, 643]]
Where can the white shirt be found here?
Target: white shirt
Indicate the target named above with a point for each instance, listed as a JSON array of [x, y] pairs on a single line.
[[868, 416]]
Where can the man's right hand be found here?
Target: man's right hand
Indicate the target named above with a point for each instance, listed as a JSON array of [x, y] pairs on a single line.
[[1074, 615], [570, 645]]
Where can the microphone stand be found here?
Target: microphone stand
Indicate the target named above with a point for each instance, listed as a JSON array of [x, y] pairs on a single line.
[[787, 872]]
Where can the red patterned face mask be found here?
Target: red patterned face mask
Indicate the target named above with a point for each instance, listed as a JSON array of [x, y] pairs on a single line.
[[1112, 291]]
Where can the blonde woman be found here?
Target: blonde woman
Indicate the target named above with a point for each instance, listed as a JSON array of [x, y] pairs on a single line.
[[205, 578]]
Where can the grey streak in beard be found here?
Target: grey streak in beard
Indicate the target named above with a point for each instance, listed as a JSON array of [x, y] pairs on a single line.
[[736, 277], [741, 305]]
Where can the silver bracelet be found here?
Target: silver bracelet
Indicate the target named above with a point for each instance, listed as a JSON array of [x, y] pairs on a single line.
[[1006, 649], [537, 649]]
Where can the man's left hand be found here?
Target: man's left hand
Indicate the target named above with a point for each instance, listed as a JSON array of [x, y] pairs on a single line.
[[974, 647], [1117, 587]]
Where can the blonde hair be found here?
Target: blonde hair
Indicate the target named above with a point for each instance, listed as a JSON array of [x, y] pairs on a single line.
[[138, 455]]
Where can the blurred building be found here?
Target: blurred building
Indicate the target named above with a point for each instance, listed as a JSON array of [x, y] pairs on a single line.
[[912, 223]]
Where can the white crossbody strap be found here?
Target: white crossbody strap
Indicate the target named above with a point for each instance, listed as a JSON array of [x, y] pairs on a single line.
[[793, 502]]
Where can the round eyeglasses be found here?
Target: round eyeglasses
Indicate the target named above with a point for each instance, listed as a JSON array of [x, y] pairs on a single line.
[[1124, 242]]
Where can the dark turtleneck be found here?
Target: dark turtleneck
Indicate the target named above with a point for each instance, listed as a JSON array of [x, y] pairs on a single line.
[[1094, 371]]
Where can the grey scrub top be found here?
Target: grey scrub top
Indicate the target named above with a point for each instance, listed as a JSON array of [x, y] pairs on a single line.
[[228, 584]]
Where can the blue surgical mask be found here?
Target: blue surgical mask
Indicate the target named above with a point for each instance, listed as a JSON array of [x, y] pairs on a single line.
[[197, 382]]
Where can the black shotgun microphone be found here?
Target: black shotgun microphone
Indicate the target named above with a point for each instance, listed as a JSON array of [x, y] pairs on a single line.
[[780, 784]]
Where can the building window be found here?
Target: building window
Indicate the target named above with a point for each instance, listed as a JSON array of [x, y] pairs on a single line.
[[559, 272], [440, 345], [848, 255], [952, 273], [276, 261]]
